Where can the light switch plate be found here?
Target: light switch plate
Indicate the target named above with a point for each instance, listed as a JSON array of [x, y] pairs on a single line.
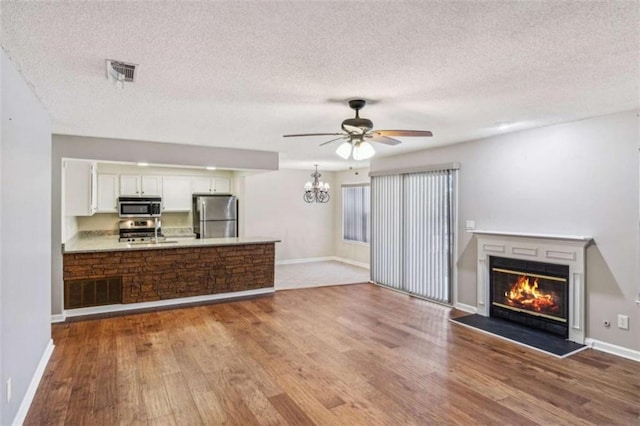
[[623, 322], [470, 225]]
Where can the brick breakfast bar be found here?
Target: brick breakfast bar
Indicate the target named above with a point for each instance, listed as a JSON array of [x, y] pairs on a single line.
[[151, 272]]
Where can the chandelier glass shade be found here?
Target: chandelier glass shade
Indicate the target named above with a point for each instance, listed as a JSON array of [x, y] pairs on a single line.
[[316, 191], [361, 150]]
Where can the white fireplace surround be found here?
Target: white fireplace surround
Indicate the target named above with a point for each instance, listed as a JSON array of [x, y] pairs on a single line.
[[560, 249]]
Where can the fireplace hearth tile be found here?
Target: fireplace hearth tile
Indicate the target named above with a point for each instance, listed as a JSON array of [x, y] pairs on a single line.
[[536, 339]]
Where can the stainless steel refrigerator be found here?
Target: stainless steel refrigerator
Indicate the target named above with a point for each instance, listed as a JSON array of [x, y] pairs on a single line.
[[215, 216]]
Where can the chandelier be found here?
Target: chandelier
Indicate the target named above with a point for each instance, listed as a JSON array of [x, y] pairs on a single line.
[[316, 191]]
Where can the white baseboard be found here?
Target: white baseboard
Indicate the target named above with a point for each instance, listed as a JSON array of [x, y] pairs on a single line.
[[58, 318], [323, 259], [465, 308], [613, 349], [351, 262], [305, 260], [168, 302], [33, 385]]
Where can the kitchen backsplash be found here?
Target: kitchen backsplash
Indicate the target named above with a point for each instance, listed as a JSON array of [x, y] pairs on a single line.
[[109, 221]]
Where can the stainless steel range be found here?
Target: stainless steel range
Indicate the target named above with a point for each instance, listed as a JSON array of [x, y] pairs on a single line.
[[140, 229]]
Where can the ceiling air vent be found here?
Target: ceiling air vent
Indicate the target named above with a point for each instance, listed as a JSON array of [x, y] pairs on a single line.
[[121, 71]]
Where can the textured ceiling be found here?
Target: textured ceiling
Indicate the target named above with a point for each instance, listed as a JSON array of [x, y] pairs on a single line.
[[241, 74]]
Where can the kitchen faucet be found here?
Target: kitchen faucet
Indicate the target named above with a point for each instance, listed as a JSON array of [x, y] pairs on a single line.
[[155, 229]]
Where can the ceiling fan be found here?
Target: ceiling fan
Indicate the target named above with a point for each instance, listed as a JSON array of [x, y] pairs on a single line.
[[358, 132]]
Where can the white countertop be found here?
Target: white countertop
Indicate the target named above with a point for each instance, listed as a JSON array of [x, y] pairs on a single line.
[[111, 243]]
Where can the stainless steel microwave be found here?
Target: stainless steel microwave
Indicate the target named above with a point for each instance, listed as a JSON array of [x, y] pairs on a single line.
[[139, 206]]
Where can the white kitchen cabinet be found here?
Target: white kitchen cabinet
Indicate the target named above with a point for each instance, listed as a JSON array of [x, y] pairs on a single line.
[[136, 185], [151, 185], [176, 194], [130, 185], [221, 185], [80, 187], [211, 185], [107, 193]]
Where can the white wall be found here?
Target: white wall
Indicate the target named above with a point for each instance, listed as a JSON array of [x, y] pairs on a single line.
[[272, 206], [25, 236], [356, 252], [578, 178]]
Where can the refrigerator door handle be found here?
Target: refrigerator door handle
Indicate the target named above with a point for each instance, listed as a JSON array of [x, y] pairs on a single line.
[[204, 222]]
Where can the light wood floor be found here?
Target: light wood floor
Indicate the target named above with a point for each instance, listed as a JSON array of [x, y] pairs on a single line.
[[357, 354]]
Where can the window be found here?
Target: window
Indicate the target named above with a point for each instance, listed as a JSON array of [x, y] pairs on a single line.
[[355, 213]]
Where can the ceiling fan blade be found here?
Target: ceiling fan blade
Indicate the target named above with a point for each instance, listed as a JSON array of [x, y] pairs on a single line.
[[312, 134], [403, 132], [333, 140], [383, 139]]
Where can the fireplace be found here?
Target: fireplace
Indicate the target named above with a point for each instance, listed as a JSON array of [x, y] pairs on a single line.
[[534, 294], [553, 268]]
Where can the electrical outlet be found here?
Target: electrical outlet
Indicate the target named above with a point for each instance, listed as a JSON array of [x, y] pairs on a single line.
[[470, 225], [9, 389], [623, 321]]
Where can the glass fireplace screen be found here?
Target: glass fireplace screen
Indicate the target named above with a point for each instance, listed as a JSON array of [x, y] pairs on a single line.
[[535, 294]]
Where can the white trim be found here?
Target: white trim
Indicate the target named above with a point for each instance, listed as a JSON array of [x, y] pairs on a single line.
[[58, 318], [355, 184], [421, 169], [351, 262], [582, 238], [353, 242], [518, 343], [305, 260], [323, 259], [168, 302], [33, 385], [466, 308], [613, 349]]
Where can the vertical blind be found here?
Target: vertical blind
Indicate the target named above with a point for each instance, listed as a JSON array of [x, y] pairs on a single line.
[[412, 232], [386, 230], [356, 204]]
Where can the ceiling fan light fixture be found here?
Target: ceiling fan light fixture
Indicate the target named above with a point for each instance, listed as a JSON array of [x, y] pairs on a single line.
[[344, 150], [363, 151]]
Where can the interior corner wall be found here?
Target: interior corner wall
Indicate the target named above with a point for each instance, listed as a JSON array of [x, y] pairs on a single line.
[[273, 207], [577, 178], [356, 252], [25, 237]]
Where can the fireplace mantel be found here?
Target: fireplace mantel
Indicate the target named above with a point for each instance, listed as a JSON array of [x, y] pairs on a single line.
[[561, 249], [576, 238]]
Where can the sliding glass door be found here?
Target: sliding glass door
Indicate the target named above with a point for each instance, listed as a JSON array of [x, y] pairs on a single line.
[[412, 236]]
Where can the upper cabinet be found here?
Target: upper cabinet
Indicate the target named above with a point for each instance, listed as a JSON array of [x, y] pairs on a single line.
[[136, 185], [211, 185], [152, 185], [88, 193], [80, 187], [107, 193], [176, 194]]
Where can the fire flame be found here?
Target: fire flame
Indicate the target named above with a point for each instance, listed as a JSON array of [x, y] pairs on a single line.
[[528, 296]]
